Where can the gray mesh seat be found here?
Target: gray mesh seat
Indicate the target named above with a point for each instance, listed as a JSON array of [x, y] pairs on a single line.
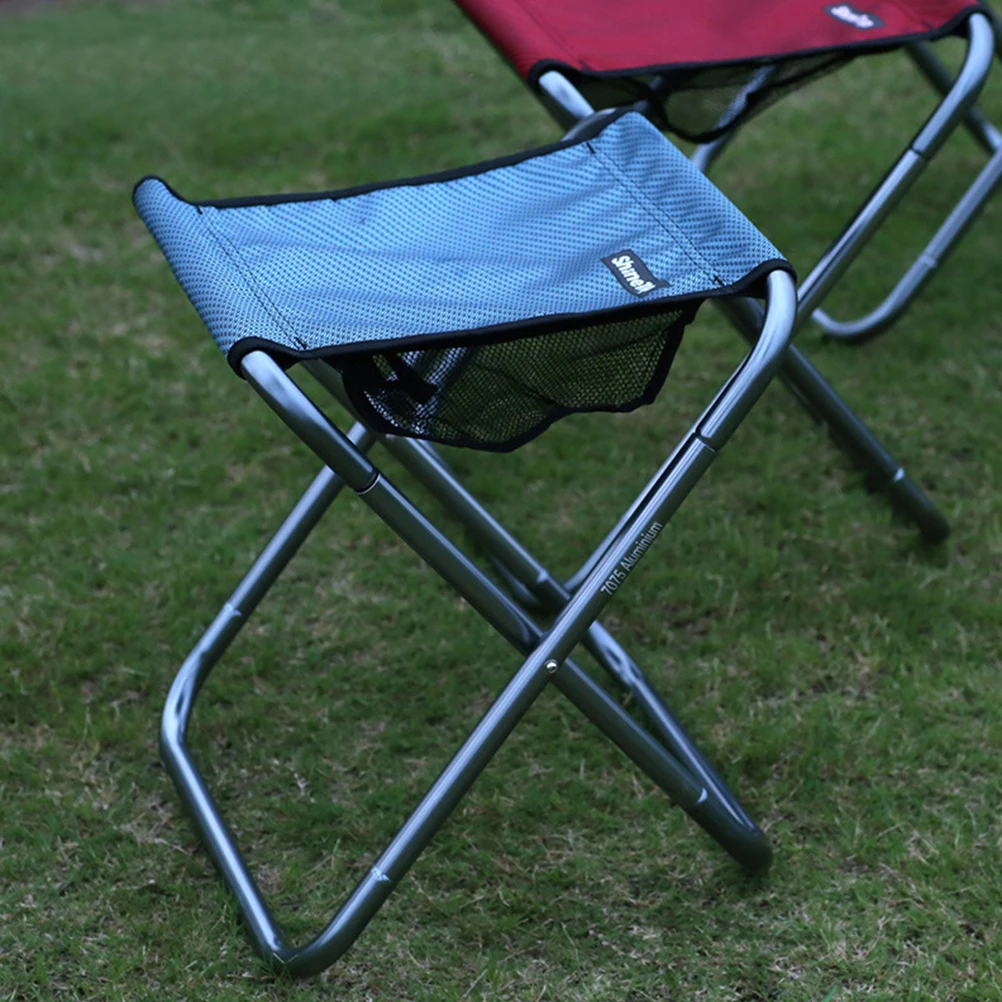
[[477, 306]]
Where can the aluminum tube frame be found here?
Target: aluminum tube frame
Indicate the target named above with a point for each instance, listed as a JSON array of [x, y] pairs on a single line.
[[548, 653], [705, 155], [847, 431], [807, 385], [957, 106], [563, 100], [922, 269], [241, 604], [928, 63], [923, 147], [534, 587]]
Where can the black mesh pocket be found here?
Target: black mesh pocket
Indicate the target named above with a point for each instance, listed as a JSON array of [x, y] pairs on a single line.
[[710, 101], [702, 103], [498, 394]]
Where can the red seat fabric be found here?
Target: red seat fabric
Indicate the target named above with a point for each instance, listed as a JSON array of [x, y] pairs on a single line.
[[610, 50]]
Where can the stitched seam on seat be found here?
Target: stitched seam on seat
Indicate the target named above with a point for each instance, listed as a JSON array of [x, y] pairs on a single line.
[[660, 216], [229, 248]]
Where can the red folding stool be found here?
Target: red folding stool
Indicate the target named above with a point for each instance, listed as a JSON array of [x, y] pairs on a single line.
[[703, 70]]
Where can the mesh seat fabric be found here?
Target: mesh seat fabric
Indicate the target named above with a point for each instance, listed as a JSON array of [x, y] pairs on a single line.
[[708, 64], [477, 306]]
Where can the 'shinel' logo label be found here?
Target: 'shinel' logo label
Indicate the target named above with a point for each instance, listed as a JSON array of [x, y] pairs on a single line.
[[857, 18], [631, 273]]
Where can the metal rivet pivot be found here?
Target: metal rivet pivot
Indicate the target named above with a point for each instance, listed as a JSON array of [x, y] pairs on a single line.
[[551, 666]]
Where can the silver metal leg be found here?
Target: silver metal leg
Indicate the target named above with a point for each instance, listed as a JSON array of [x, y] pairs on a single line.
[[706, 154], [533, 587], [241, 605], [982, 131], [547, 653], [883, 472], [957, 107], [923, 268]]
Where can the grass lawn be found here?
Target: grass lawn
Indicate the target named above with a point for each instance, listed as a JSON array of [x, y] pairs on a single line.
[[843, 676]]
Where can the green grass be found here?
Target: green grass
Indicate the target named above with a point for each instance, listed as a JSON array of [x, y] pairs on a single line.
[[842, 675]]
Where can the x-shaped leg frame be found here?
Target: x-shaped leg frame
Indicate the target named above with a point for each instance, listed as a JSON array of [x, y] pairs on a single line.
[[677, 769]]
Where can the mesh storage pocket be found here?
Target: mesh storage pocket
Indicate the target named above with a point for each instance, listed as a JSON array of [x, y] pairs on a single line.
[[499, 394], [704, 104], [700, 104]]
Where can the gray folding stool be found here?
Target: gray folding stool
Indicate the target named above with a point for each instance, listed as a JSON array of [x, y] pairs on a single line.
[[476, 307]]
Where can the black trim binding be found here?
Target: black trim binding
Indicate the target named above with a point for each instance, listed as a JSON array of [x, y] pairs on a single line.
[[438, 176], [752, 284]]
